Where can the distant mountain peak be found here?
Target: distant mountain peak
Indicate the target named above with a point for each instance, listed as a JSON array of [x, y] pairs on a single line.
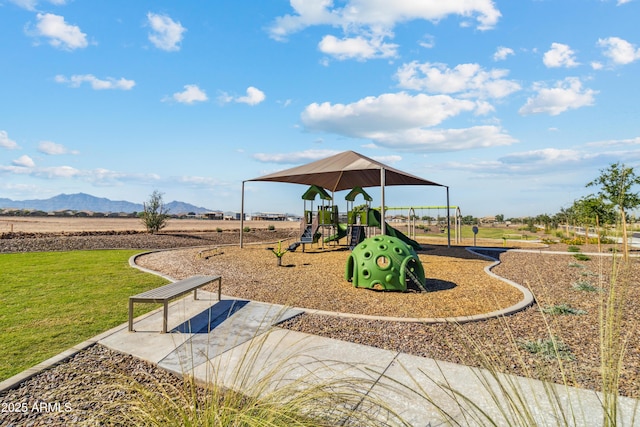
[[87, 202]]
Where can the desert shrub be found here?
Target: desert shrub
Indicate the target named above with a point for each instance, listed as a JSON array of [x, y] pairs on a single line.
[[573, 249], [581, 257], [574, 241], [562, 309], [549, 348], [246, 229], [219, 230], [585, 287], [271, 227]]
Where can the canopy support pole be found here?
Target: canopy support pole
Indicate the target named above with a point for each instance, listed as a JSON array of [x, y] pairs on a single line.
[[448, 221], [383, 226], [242, 216]]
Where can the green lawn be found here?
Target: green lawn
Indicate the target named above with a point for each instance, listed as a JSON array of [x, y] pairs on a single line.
[[50, 301], [466, 232]]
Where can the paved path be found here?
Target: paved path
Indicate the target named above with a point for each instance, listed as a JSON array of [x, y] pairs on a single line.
[[234, 342]]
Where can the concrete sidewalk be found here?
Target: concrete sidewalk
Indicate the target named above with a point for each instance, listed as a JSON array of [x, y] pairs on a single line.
[[234, 341]]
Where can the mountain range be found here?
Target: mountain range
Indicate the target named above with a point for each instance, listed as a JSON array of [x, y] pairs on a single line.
[[89, 203]]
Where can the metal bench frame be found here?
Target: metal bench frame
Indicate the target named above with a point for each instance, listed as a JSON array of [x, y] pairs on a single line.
[[166, 293]]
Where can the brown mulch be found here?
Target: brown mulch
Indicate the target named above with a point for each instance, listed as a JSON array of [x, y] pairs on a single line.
[[460, 287]]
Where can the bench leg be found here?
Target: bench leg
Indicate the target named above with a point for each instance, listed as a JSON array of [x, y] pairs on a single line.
[[164, 317], [219, 288], [130, 316]]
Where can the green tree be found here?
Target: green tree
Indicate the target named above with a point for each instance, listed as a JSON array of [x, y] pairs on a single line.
[[593, 212], [616, 183], [155, 214]]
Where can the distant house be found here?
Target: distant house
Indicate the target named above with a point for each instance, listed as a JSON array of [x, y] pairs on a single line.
[[217, 215], [268, 216], [488, 220], [232, 216]]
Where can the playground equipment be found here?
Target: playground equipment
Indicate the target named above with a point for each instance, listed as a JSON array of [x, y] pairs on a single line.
[[422, 214], [314, 222], [385, 263], [361, 221]]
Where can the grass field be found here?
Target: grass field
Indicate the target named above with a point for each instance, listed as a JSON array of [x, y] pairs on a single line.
[[51, 301]]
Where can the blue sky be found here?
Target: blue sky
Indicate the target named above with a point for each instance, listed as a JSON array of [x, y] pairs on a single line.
[[515, 105]]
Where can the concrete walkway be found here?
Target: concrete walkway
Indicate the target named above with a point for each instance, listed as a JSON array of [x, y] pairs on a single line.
[[233, 342]]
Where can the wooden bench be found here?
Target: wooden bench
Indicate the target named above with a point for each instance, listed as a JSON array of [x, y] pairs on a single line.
[[168, 292]]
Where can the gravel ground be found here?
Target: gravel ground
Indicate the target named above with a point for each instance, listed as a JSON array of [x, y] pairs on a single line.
[[314, 280]]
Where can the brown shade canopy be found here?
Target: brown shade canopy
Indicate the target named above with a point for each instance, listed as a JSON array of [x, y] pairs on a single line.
[[345, 171]]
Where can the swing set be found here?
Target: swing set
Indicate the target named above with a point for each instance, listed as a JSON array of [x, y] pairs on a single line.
[[427, 220]]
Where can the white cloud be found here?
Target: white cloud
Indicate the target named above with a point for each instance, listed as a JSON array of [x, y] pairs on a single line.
[[359, 47], [60, 34], [387, 111], [190, 95], [400, 121], [254, 96], [6, 142], [167, 34], [568, 94], [469, 80], [443, 140], [428, 41], [53, 149], [616, 143], [560, 55], [619, 50], [502, 53], [546, 162], [109, 83], [294, 158], [358, 14], [24, 161], [31, 4]]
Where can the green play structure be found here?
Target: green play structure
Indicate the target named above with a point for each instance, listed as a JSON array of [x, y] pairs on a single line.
[[385, 263], [325, 221]]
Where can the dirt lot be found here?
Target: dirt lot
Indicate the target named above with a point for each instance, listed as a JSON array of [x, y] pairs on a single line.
[[72, 224]]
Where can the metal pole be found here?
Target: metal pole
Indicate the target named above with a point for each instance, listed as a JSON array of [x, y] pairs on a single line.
[[383, 226], [242, 216], [448, 222]]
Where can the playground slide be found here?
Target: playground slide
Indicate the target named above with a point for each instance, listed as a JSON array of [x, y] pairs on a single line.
[[374, 221], [342, 232]]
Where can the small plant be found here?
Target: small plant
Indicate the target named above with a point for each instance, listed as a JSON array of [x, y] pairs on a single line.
[[219, 230], [549, 348], [279, 252], [573, 248], [271, 227], [562, 309], [575, 265], [585, 287], [581, 257], [246, 229]]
